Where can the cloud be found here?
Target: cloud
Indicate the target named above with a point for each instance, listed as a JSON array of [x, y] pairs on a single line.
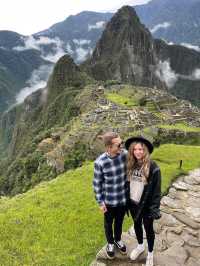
[[190, 46], [81, 41], [196, 74], [166, 74], [163, 25], [29, 43], [37, 80], [32, 43], [81, 54], [69, 49], [98, 25], [82, 49]]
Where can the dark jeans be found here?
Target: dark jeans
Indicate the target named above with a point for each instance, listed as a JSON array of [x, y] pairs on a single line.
[[114, 216], [148, 226]]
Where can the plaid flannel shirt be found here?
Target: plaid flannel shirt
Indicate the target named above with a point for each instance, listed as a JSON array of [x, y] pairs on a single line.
[[110, 180]]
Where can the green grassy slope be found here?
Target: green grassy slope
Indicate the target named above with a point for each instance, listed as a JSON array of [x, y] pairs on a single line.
[[58, 222]]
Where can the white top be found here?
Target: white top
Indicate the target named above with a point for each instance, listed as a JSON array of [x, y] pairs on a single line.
[[136, 186]]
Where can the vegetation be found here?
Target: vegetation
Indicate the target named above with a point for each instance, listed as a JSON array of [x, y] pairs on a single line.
[[58, 222], [181, 126], [128, 96]]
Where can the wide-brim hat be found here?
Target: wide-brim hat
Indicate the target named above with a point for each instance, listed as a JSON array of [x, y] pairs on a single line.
[[139, 139]]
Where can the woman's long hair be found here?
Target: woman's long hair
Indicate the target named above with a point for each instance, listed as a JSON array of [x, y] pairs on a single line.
[[132, 161]]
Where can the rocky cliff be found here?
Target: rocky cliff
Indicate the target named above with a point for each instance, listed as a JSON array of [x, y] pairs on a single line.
[[125, 52]]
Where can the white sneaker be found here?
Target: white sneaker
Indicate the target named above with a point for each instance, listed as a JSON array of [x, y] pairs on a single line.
[[136, 252], [149, 261]]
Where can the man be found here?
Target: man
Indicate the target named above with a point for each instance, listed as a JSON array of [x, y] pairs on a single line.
[[110, 190]]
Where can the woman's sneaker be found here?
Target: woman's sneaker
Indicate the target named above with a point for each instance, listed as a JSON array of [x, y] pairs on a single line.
[[121, 246], [149, 261], [110, 251], [136, 252]]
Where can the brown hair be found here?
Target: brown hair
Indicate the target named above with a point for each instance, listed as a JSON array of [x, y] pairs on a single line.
[[132, 161], [108, 137]]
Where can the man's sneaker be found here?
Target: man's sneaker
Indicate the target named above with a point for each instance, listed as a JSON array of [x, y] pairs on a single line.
[[136, 252], [110, 250], [149, 261], [121, 246]]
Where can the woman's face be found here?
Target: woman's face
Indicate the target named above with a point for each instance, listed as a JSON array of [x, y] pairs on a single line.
[[138, 151]]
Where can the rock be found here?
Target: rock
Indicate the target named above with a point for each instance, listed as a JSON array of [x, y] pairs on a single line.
[[194, 212], [180, 186], [168, 220], [175, 255], [194, 179], [186, 220], [56, 161], [193, 203], [171, 203], [172, 193], [56, 136], [194, 194], [46, 145], [193, 262]]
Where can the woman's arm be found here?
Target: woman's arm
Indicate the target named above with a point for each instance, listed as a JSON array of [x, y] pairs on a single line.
[[156, 194]]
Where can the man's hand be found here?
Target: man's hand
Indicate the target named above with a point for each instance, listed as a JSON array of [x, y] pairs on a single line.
[[103, 208]]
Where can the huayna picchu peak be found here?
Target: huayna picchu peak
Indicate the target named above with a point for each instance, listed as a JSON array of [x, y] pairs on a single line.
[[125, 52]]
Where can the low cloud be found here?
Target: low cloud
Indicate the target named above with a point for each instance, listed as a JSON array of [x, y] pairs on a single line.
[[190, 46], [170, 77], [37, 81], [166, 74], [81, 54], [69, 49], [163, 25], [81, 41], [32, 43], [98, 25], [82, 49], [196, 74]]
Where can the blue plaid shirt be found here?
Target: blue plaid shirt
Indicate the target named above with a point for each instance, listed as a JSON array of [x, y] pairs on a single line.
[[110, 179]]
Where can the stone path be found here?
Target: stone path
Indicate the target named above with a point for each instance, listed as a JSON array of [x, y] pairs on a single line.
[[177, 232]]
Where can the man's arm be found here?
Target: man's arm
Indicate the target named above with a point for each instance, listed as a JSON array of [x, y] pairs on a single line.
[[97, 185]]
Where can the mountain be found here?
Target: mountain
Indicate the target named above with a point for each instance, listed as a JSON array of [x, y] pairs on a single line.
[[180, 68], [78, 33], [16, 67], [57, 128], [125, 52], [175, 21], [77, 36], [21, 55]]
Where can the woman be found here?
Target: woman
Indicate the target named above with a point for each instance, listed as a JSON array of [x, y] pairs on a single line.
[[144, 193]]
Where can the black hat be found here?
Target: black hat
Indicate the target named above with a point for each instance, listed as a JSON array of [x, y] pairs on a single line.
[[139, 139]]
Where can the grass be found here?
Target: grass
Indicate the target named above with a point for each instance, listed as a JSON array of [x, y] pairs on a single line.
[[180, 126], [59, 223], [168, 157], [121, 99]]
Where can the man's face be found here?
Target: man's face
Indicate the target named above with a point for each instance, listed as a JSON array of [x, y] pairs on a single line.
[[116, 146]]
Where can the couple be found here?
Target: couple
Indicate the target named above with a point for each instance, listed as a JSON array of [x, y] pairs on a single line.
[[127, 179]]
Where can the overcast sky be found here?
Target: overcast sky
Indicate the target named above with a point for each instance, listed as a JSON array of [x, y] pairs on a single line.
[[30, 16]]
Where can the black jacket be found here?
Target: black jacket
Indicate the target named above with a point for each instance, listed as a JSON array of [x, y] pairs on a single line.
[[149, 204]]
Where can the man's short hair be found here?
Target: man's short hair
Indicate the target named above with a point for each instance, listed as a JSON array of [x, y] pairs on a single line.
[[108, 137]]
